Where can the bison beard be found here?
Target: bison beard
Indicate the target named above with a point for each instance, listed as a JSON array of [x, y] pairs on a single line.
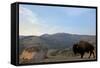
[[83, 47]]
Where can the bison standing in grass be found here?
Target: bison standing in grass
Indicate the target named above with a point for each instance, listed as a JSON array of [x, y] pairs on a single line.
[[83, 47]]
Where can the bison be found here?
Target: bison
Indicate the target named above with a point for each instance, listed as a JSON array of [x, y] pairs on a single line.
[[83, 47]]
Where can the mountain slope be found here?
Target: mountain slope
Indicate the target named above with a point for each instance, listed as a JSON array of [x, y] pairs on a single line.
[[58, 40]]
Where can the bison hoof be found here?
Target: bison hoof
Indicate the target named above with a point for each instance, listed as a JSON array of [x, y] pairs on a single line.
[[93, 56], [89, 57]]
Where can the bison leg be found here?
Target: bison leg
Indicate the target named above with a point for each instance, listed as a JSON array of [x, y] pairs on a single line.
[[82, 55], [90, 55], [93, 54]]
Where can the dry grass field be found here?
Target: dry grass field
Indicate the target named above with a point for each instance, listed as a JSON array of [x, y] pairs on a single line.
[[59, 56]]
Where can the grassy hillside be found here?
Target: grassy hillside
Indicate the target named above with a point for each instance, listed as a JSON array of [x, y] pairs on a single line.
[[58, 46]]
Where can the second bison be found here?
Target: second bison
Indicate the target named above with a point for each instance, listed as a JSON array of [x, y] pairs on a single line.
[[83, 47]]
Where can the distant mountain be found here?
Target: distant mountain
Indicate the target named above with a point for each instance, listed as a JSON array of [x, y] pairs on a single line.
[[62, 40], [58, 40]]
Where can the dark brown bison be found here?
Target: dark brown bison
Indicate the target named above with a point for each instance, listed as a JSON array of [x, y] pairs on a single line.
[[83, 47]]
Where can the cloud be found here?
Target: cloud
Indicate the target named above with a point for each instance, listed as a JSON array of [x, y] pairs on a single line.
[[27, 15], [30, 23]]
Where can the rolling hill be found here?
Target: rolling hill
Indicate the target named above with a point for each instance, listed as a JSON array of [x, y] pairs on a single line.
[[54, 41]]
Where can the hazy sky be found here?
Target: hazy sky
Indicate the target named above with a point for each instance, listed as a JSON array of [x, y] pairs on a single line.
[[38, 20]]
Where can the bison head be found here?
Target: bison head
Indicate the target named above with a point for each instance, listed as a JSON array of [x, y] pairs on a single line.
[[75, 48]]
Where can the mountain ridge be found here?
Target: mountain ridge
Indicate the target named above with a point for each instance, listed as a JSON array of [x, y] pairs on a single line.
[[57, 40]]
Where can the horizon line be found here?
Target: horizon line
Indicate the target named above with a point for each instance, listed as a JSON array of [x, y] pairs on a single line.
[[56, 33]]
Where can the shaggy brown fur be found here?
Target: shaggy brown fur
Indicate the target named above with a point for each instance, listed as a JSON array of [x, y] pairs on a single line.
[[83, 47]]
